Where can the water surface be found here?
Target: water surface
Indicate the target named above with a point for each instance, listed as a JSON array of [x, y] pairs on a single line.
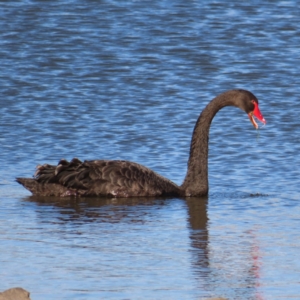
[[127, 80]]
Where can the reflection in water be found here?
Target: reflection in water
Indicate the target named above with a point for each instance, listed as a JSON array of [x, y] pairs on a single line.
[[197, 209], [256, 266], [101, 210], [215, 265]]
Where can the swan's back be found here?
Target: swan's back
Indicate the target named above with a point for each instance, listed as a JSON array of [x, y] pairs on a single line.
[[107, 178]]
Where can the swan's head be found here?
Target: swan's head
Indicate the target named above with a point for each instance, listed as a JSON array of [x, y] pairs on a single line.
[[249, 104]]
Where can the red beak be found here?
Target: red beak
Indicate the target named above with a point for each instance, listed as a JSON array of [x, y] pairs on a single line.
[[257, 114]]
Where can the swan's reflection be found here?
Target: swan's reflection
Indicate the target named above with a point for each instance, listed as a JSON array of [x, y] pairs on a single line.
[[112, 210], [197, 212], [203, 251], [217, 262]]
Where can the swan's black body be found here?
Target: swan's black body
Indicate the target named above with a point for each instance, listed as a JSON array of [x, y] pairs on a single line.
[[112, 178]]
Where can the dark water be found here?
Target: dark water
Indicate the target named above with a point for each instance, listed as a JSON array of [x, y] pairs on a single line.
[[127, 80]]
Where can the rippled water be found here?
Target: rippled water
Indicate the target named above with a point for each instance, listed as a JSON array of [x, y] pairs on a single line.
[[127, 80]]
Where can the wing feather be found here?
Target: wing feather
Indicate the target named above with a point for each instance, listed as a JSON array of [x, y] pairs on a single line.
[[115, 178]]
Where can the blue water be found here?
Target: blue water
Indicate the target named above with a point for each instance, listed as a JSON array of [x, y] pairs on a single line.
[[127, 80]]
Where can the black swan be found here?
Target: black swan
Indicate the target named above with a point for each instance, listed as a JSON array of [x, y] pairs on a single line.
[[117, 178]]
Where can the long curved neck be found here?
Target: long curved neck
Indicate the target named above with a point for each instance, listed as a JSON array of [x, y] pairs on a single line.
[[196, 180]]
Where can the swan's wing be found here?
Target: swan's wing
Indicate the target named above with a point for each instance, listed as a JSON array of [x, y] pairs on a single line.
[[112, 178]]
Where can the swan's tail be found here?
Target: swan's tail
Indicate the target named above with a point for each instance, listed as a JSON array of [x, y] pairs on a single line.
[[45, 189], [30, 184]]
